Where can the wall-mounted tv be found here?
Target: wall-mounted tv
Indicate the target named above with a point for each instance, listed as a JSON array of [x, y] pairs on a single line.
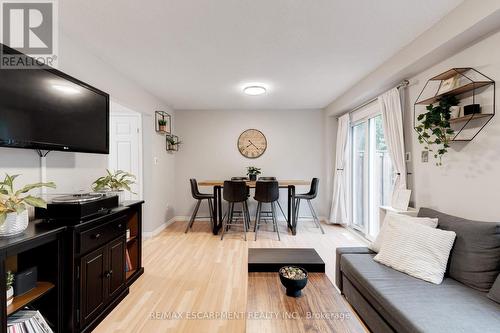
[[46, 109]]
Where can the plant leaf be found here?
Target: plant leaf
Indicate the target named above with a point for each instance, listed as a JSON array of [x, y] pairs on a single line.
[[35, 202]]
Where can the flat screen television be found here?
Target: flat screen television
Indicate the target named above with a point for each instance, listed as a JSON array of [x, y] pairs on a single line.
[[46, 109]]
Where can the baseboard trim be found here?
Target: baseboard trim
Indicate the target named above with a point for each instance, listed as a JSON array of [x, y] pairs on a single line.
[[151, 234]]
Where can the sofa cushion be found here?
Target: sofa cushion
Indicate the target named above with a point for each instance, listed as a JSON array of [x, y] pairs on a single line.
[[412, 305], [475, 257], [494, 293], [416, 250], [384, 230]]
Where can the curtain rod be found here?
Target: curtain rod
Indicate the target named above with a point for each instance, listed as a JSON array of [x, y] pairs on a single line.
[[403, 84]]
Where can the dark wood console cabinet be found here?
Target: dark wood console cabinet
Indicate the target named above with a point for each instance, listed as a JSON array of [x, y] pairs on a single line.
[[85, 269]]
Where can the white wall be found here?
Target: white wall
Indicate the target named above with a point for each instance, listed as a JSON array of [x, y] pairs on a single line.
[[209, 149], [468, 184], [74, 171]]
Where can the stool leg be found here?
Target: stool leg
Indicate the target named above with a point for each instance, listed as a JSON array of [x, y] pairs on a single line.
[[315, 217], [273, 209], [245, 215], [257, 219], [195, 212], [281, 209]]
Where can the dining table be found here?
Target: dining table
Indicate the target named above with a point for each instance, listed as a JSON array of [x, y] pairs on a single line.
[[290, 185]]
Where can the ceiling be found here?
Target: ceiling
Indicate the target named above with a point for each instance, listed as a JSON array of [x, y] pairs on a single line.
[[198, 54]]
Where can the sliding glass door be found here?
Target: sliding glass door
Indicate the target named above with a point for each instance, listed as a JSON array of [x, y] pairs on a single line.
[[372, 175]]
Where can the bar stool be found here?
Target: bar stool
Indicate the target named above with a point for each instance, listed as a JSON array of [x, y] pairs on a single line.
[[200, 197], [311, 195], [235, 192], [266, 191], [241, 179], [278, 202]]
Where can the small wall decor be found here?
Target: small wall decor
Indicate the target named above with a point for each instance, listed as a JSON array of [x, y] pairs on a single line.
[[163, 122], [173, 142], [459, 103]]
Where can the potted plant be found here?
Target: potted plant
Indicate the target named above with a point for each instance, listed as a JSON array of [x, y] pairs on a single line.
[[294, 279], [14, 203], [173, 143], [162, 124], [253, 172], [10, 289], [114, 183], [434, 127]]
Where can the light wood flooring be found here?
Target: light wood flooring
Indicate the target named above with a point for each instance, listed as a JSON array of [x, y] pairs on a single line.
[[192, 280]]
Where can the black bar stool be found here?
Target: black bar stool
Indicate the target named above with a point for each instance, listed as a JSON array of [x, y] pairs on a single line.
[[311, 195], [235, 192], [266, 191], [278, 202], [200, 197]]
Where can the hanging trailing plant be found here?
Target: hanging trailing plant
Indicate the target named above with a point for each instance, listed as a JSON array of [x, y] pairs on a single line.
[[434, 128]]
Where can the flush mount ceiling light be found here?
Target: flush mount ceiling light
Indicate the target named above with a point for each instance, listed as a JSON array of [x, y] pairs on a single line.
[[254, 90]]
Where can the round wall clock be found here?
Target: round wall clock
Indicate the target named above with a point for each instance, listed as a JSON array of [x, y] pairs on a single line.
[[252, 143]]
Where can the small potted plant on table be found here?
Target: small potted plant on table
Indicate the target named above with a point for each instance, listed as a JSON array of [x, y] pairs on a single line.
[[253, 172], [14, 203], [114, 183], [294, 279]]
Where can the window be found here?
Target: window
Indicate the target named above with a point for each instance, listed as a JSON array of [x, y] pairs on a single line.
[[372, 175]]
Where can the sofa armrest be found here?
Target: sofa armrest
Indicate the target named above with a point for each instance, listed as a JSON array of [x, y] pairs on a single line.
[[346, 250]]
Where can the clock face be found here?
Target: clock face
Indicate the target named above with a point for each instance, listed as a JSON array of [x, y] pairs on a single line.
[[252, 143]]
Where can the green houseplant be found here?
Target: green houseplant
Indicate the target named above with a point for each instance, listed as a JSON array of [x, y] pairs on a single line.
[[173, 143], [14, 203], [162, 124], [434, 129], [253, 172], [114, 183]]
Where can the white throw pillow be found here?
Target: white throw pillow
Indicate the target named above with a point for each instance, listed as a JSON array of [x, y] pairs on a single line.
[[417, 250], [377, 243]]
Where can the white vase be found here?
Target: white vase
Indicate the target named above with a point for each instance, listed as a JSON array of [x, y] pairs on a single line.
[[10, 295], [14, 224], [118, 193]]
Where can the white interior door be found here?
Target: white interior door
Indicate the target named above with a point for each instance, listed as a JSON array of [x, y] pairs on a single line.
[[125, 151]]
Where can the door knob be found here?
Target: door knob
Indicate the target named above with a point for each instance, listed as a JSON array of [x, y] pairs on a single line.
[[96, 236]]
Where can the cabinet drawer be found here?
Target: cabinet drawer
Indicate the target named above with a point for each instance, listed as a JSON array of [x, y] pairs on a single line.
[[97, 236]]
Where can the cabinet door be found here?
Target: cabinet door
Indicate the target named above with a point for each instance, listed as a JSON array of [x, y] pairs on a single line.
[[93, 284], [116, 274]]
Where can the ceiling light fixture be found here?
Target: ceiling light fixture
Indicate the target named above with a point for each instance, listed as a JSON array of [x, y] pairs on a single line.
[[254, 90]]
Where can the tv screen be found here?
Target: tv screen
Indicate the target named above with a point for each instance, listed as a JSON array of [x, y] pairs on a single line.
[[47, 109]]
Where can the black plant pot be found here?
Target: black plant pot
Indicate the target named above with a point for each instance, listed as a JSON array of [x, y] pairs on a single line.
[[294, 287], [252, 177]]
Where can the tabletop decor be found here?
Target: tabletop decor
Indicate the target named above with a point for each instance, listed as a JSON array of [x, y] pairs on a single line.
[[294, 279], [14, 203], [253, 172], [114, 183]]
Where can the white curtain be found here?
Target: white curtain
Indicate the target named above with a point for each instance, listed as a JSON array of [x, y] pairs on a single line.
[[338, 213], [392, 115]]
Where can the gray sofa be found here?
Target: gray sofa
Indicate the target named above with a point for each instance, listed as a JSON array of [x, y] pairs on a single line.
[[391, 301]]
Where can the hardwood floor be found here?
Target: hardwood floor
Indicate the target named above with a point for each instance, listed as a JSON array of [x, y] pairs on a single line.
[[192, 280]]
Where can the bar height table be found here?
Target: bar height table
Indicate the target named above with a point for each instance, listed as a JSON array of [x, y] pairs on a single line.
[[288, 184]]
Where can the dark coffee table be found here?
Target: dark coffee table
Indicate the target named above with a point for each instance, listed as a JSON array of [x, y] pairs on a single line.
[[272, 259]]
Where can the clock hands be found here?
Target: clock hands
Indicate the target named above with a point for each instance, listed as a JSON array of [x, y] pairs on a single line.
[[251, 144]]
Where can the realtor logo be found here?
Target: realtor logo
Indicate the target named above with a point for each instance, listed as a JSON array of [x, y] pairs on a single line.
[[29, 27]]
